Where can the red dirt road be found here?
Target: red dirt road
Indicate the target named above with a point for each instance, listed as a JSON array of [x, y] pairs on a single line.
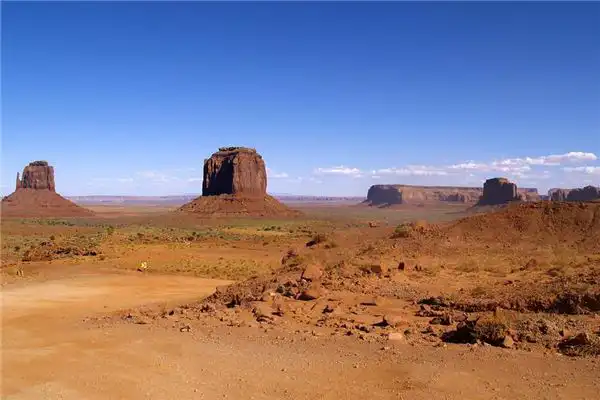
[[50, 352]]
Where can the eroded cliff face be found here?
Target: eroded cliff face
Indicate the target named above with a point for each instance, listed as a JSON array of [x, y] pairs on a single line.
[[235, 184], [37, 175], [587, 193], [235, 170], [35, 196], [498, 191], [407, 194], [379, 195]]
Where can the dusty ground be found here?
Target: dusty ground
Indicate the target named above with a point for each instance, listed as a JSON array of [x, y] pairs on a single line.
[[79, 320]]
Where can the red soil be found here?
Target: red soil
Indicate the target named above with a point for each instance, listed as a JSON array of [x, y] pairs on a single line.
[[232, 205], [545, 222], [40, 203]]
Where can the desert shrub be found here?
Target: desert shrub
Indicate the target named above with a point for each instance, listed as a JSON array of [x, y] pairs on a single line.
[[316, 239], [492, 331], [583, 344], [292, 259], [110, 230], [402, 231]]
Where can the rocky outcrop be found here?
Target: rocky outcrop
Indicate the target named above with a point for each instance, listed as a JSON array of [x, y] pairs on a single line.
[[35, 196], [235, 184], [499, 191], [528, 194], [382, 195], [235, 170], [587, 193], [37, 175], [558, 194]]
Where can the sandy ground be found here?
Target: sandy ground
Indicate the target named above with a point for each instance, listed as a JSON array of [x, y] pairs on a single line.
[[50, 350]]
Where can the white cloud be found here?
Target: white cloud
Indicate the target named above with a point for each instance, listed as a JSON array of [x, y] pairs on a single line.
[[470, 165], [340, 170], [524, 164], [195, 180], [415, 170], [551, 160], [590, 170]]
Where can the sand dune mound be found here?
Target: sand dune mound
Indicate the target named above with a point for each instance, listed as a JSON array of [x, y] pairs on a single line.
[[40, 203], [232, 205], [543, 222]]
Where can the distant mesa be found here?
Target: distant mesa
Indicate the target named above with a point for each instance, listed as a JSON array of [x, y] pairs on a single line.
[[587, 193], [35, 195], [235, 184], [389, 195]]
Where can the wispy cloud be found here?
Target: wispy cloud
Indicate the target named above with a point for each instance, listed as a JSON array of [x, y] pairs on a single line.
[[339, 170], [415, 170], [525, 163], [590, 170], [521, 168]]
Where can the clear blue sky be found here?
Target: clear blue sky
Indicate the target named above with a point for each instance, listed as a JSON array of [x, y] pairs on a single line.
[[129, 98]]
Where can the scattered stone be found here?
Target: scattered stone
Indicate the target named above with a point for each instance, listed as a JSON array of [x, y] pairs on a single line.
[[446, 319], [508, 342], [313, 292], [426, 311], [396, 337], [329, 309], [401, 266], [185, 328], [208, 308], [393, 320], [263, 312], [379, 269], [374, 301], [312, 272]]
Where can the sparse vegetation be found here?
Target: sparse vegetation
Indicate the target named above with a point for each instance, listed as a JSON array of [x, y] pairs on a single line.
[[402, 231]]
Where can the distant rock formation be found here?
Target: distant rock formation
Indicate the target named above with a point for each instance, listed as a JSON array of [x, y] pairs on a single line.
[[499, 191], [236, 171], [528, 194], [381, 195], [235, 184], [587, 193], [37, 175], [35, 196]]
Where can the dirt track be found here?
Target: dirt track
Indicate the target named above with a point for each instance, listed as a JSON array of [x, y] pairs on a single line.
[[51, 352]]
